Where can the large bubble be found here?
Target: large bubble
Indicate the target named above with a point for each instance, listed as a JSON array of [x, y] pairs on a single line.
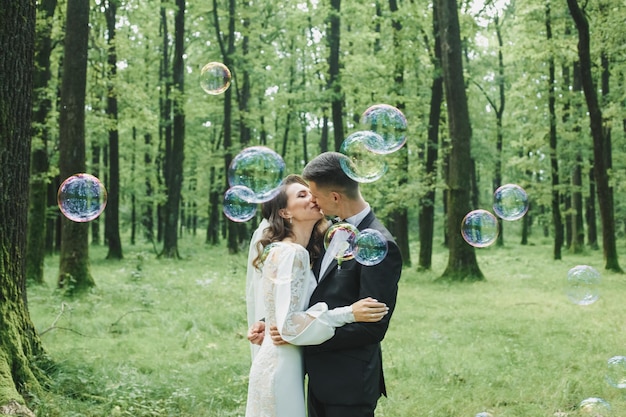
[[616, 372], [370, 247], [237, 205], [583, 285], [339, 241], [215, 78], [361, 164], [260, 169], [82, 198], [389, 123], [510, 202], [479, 228]]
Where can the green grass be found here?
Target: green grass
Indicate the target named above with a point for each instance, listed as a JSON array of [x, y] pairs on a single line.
[[167, 338]]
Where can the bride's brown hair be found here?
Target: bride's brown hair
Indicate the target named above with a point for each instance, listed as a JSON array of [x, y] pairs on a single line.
[[280, 228]]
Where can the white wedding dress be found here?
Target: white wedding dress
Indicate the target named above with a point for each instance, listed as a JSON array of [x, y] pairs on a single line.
[[276, 385]]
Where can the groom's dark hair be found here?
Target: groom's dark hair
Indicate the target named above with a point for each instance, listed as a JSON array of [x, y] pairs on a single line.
[[325, 171]]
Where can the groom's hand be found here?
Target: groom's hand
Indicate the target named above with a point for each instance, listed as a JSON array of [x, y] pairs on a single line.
[[276, 338], [256, 333]]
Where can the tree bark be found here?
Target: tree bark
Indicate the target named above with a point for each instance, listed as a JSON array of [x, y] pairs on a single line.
[[40, 177], [462, 264], [74, 274], [605, 198], [113, 201], [334, 79], [20, 343], [554, 161], [427, 201]]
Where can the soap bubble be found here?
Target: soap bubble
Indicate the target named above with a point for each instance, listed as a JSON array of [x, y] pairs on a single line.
[[82, 198], [596, 407], [361, 164], [389, 123], [237, 205], [370, 247], [339, 241], [510, 202], [260, 169], [484, 414], [479, 228], [616, 373], [583, 282], [215, 78]]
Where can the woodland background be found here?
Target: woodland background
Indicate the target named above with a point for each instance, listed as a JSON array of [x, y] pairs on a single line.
[[495, 92]]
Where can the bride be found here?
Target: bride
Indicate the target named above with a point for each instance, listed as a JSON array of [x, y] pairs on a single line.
[[285, 280]]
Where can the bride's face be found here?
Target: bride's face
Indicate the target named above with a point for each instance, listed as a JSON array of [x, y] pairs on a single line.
[[299, 204]]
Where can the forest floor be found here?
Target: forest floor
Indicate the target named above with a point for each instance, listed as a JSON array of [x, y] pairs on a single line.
[[160, 337]]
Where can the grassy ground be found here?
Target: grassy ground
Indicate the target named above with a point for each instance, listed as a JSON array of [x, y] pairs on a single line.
[[167, 338]]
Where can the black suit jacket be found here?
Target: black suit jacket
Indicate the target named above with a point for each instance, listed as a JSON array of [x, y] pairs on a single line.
[[347, 369]]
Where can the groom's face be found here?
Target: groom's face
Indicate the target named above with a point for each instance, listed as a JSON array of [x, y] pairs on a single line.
[[325, 199]]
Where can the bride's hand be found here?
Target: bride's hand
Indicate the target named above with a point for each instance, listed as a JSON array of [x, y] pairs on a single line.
[[369, 310]]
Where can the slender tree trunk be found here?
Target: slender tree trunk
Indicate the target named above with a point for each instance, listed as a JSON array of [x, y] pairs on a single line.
[[176, 157], [427, 201], [605, 198], [147, 216], [554, 162], [20, 343], [590, 212], [578, 232], [113, 202], [462, 264], [334, 79], [74, 274], [40, 177]]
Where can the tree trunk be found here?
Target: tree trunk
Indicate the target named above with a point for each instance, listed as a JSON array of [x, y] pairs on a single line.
[[462, 264], [399, 216], [36, 242], [605, 198], [20, 344], [427, 202], [113, 201], [176, 156], [334, 76], [74, 274], [554, 162], [578, 232]]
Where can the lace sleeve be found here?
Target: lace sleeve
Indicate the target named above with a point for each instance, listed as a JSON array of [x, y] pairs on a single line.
[[287, 270]]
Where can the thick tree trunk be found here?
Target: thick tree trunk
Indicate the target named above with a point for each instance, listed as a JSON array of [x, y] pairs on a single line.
[[600, 151], [462, 264], [20, 343], [74, 274]]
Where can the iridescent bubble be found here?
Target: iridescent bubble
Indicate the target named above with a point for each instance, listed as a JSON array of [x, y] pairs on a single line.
[[479, 228], [82, 198], [237, 205], [389, 123], [339, 241], [616, 372], [370, 247], [484, 414], [510, 202], [596, 407], [583, 285], [260, 169], [215, 78], [363, 165]]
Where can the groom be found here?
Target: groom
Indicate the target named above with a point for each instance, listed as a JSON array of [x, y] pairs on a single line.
[[345, 372]]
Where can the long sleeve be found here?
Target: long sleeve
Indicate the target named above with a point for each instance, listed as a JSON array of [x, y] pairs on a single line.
[[286, 275]]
